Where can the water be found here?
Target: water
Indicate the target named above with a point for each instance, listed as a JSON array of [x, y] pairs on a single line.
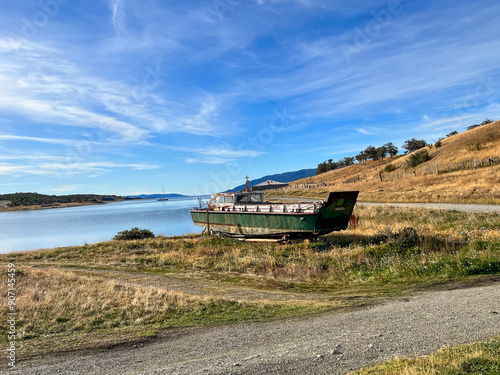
[[39, 229]]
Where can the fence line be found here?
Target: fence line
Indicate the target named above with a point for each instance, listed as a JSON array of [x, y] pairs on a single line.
[[397, 175], [440, 168]]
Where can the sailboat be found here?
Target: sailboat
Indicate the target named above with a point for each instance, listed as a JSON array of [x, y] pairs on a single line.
[[163, 197]]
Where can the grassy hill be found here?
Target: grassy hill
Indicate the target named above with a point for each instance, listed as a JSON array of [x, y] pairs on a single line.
[[458, 181]]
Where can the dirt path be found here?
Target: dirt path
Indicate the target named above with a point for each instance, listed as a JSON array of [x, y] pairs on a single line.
[[196, 284], [333, 343]]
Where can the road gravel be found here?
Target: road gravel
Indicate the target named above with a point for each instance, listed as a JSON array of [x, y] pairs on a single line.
[[333, 343]]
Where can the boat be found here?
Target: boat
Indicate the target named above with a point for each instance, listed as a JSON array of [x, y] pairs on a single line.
[[163, 196], [246, 214]]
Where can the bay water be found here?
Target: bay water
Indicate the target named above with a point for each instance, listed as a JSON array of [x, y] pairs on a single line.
[[39, 229]]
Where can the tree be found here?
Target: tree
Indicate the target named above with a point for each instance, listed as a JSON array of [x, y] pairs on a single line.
[[381, 152], [349, 160], [321, 168], [414, 145], [362, 156], [371, 153], [473, 126], [487, 121], [451, 134], [391, 149]]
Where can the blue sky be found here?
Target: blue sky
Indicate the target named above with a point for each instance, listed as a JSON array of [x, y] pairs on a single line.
[[124, 96]]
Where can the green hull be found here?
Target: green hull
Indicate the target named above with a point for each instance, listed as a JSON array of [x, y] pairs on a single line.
[[333, 216]]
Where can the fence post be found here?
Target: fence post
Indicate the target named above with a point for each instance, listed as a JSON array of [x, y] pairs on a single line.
[[437, 169], [380, 175], [475, 163]]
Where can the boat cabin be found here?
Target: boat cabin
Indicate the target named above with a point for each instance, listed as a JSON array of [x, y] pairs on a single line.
[[245, 198]]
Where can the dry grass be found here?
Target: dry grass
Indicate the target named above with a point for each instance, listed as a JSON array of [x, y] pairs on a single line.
[[464, 226], [481, 358], [480, 185], [379, 258], [342, 257], [54, 305]]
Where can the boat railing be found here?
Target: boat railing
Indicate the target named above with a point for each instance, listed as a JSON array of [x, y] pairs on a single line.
[[276, 208]]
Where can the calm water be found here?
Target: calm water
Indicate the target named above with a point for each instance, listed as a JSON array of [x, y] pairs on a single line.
[[29, 230]]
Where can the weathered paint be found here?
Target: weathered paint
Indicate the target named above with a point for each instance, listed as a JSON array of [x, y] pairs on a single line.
[[330, 215]]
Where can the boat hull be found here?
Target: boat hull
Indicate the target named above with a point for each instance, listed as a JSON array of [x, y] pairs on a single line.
[[333, 216]]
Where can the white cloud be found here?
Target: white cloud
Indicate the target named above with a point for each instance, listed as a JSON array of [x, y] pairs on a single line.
[[41, 85], [8, 137], [65, 169], [217, 154], [364, 131]]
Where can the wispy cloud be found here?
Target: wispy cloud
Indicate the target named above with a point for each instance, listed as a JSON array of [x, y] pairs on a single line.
[[218, 155], [69, 169], [67, 142], [57, 92]]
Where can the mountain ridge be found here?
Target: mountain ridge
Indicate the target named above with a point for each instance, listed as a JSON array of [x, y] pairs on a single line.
[[280, 177]]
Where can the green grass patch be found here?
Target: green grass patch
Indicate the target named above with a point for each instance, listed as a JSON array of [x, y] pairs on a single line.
[[481, 358]]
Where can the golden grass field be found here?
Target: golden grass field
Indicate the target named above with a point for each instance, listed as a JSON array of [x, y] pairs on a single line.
[[479, 185], [114, 292]]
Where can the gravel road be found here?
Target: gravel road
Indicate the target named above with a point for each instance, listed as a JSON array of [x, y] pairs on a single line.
[[332, 343], [475, 208]]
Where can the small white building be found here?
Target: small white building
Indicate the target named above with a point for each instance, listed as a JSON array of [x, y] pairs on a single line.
[[268, 185]]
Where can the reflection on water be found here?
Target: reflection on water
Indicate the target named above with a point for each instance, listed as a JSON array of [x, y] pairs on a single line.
[[29, 230]]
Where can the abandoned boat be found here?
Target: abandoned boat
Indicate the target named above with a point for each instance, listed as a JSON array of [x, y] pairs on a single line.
[[245, 214]]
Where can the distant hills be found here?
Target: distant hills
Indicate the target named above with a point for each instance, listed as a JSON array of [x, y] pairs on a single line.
[[29, 199], [281, 177], [157, 196]]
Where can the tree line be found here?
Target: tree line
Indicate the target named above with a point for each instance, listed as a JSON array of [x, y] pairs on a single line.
[[389, 149], [24, 199], [370, 153]]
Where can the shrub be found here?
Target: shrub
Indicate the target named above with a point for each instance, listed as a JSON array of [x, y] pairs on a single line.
[[473, 126], [418, 158], [403, 242], [134, 234], [438, 144], [389, 168], [481, 366], [475, 146]]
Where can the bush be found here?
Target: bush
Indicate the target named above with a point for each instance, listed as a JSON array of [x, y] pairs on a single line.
[[389, 168], [418, 158], [438, 144], [475, 146], [481, 366], [134, 234], [473, 126], [403, 242]]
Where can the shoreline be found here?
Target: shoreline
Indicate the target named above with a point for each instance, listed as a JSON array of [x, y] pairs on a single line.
[[37, 207]]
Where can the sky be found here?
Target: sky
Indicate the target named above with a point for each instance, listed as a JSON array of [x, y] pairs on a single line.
[[127, 97]]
